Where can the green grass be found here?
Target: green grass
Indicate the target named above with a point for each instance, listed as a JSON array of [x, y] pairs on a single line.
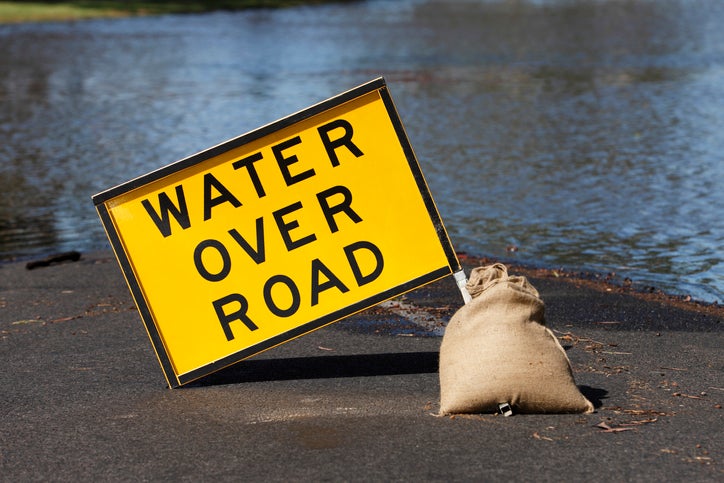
[[14, 12]]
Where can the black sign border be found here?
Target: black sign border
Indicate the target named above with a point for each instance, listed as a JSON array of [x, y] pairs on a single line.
[[101, 199]]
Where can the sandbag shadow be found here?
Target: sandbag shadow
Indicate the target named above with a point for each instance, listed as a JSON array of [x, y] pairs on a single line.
[[323, 367], [594, 394]]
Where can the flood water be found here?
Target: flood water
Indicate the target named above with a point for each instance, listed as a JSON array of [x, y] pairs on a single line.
[[587, 134]]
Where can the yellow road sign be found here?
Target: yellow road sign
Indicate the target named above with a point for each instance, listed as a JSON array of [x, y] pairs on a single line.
[[276, 233]]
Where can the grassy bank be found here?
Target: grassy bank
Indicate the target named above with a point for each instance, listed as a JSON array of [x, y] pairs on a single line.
[[14, 12]]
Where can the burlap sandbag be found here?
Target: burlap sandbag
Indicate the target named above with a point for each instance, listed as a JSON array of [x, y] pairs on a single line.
[[496, 349]]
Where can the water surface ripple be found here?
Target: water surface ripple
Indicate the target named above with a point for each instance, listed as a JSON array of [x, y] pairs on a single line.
[[587, 134]]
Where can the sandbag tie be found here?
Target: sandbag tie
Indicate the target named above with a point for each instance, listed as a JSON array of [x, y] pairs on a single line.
[[482, 278]]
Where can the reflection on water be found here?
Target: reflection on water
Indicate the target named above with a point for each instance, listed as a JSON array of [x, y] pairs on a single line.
[[585, 133]]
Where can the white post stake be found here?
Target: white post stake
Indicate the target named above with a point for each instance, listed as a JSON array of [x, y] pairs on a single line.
[[461, 280]]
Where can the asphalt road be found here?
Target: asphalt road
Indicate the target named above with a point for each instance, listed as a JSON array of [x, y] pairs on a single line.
[[83, 397]]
